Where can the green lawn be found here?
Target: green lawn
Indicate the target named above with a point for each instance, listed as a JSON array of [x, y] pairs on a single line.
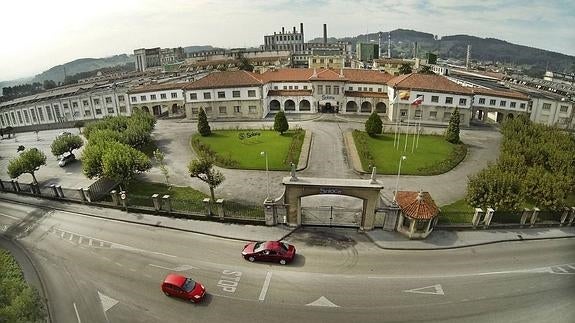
[[456, 212], [232, 152], [18, 301], [432, 156], [143, 188]]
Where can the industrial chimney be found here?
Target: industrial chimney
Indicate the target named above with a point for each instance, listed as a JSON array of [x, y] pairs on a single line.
[[468, 57], [301, 30], [325, 33]]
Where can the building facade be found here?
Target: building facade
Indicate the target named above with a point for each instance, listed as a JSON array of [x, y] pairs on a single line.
[[158, 99]]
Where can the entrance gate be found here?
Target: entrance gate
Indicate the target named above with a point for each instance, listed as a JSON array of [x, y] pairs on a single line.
[[331, 216]]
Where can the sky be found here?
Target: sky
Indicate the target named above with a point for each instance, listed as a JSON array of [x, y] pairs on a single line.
[[39, 34]]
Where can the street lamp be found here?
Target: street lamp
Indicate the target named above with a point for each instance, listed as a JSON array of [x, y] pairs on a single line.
[[265, 154], [402, 158]]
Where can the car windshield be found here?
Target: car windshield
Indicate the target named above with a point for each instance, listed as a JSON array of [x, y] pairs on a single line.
[[189, 285], [258, 246], [284, 246]]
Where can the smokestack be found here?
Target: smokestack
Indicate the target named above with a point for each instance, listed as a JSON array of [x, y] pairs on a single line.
[[283, 30], [301, 31], [325, 33], [388, 45], [467, 58], [380, 36]]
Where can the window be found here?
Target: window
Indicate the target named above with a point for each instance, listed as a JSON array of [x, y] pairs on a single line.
[[174, 95], [370, 89], [320, 89], [208, 109], [207, 95], [435, 98], [87, 113], [110, 110], [193, 96], [350, 88], [546, 106], [152, 97], [97, 101], [378, 89], [432, 114], [252, 109], [418, 114], [328, 89], [109, 99], [65, 105], [122, 109], [163, 96], [336, 90], [462, 101], [133, 99], [403, 112], [223, 110], [522, 105], [365, 89], [563, 108], [502, 103], [492, 102], [482, 101], [314, 60], [57, 111], [237, 109], [74, 104], [98, 111], [448, 100], [49, 113], [195, 110], [275, 87], [305, 87], [290, 87], [20, 117], [40, 114], [512, 104], [142, 98], [26, 116], [120, 98], [221, 95], [252, 93], [285, 87], [296, 87], [13, 118]]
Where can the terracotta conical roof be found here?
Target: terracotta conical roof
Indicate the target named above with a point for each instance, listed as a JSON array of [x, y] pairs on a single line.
[[417, 205]]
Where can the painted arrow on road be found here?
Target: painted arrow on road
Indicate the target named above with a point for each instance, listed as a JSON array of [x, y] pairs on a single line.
[[322, 301], [430, 290], [107, 303]]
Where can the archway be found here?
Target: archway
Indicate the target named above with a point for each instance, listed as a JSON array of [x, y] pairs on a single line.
[[157, 110], [175, 108], [304, 105], [510, 116], [145, 109], [365, 190], [380, 107], [289, 105], [366, 107], [351, 106], [274, 105]]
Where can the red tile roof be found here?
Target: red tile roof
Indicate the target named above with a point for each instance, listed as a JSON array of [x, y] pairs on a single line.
[[367, 76], [417, 205], [225, 79], [501, 93], [289, 92], [427, 82], [287, 75], [366, 94], [307, 74]]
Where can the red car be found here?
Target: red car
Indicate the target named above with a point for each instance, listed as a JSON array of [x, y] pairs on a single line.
[[183, 287], [275, 251]]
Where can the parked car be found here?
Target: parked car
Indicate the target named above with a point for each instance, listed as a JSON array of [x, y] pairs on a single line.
[[183, 287], [274, 251], [66, 160]]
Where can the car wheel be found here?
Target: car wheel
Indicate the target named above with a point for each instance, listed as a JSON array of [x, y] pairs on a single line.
[[283, 262], [251, 259]]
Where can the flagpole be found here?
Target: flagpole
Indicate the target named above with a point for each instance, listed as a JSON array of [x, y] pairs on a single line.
[[414, 130], [407, 129], [418, 132], [395, 138]]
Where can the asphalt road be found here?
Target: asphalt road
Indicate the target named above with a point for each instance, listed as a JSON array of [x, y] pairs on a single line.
[[105, 271]]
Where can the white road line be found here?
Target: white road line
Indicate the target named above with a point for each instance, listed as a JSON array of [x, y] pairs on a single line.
[[119, 264], [90, 242], [71, 237], [570, 266], [132, 269], [265, 286], [77, 315], [80, 240], [63, 234], [101, 243], [561, 269], [9, 216]]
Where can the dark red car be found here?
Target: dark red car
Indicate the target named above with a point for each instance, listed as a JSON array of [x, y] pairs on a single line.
[[183, 287], [275, 251]]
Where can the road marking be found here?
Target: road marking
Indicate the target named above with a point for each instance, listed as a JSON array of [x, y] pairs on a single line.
[[107, 303], [10, 216], [265, 286], [71, 237], [437, 290], [119, 264], [229, 280], [90, 242], [572, 267], [132, 269], [322, 301], [77, 315], [63, 234], [80, 240], [561, 269], [101, 243], [179, 268], [4, 227]]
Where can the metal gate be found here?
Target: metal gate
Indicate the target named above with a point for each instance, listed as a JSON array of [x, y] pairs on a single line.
[[331, 216], [386, 218]]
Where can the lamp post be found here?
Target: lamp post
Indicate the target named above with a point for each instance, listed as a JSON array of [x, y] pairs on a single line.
[[402, 158], [265, 154]]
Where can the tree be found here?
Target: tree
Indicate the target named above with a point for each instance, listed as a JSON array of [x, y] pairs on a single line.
[[245, 65], [203, 169], [373, 125], [405, 69], [159, 157], [452, 133], [425, 69], [203, 125], [66, 143], [496, 188], [27, 162], [280, 123], [49, 84]]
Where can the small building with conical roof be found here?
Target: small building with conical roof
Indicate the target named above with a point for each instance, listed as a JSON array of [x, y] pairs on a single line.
[[418, 214]]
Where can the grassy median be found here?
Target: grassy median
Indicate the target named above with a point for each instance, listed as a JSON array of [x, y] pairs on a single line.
[[19, 302]]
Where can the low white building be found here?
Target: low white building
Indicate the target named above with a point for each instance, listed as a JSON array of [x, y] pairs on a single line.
[[159, 99]]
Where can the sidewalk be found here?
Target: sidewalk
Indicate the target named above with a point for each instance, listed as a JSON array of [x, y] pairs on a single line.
[[447, 239], [438, 239]]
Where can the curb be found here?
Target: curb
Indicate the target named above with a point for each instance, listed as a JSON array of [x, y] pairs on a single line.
[[304, 154], [467, 245], [43, 290], [134, 222]]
